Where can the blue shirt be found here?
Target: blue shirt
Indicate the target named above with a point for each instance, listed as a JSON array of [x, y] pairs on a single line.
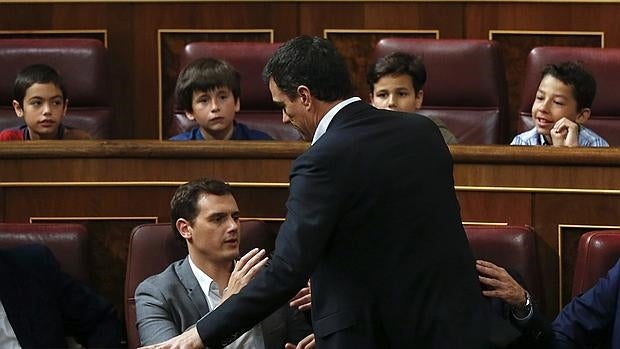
[[240, 133], [587, 138]]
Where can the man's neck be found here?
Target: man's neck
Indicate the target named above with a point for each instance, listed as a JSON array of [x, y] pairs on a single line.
[[218, 271]]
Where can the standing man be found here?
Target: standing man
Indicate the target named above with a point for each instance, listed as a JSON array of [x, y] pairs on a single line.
[[372, 218]]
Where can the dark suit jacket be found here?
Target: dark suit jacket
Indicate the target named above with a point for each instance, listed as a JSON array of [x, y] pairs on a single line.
[[45, 305], [592, 320], [172, 301], [373, 217]]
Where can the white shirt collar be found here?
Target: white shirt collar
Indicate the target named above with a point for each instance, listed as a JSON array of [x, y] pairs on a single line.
[[208, 286], [253, 339], [327, 119], [8, 339]]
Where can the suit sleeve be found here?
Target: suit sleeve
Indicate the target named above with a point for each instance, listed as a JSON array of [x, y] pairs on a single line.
[[314, 205], [153, 317], [297, 326], [86, 316], [586, 318]]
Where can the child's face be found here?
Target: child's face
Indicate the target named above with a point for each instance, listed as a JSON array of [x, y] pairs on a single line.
[[395, 92], [214, 111], [554, 100], [43, 109]]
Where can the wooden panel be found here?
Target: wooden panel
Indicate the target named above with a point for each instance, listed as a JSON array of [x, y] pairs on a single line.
[[496, 207], [541, 186]]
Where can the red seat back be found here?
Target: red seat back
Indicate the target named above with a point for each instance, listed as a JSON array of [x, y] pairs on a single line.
[[465, 87]]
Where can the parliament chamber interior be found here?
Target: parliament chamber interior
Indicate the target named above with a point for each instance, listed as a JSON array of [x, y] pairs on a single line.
[[551, 213]]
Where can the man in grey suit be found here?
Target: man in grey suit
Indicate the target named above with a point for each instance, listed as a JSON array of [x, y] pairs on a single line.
[[205, 216]]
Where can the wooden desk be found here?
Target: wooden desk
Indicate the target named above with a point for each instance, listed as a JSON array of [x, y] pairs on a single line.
[[114, 185]]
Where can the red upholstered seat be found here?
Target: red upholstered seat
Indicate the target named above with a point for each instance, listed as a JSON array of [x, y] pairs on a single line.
[[509, 247], [465, 86], [597, 252], [68, 243], [83, 67], [153, 247], [257, 109], [604, 64]]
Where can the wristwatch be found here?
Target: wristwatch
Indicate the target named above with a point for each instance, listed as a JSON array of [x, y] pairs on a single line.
[[522, 311]]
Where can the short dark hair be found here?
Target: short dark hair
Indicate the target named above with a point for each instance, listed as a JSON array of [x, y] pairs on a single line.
[[36, 74], [313, 62], [206, 74], [398, 63], [575, 75], [184, 203]]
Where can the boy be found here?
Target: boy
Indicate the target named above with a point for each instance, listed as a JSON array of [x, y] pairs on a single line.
[[41, 99], [208, 90], [396, 83], [561, 106]]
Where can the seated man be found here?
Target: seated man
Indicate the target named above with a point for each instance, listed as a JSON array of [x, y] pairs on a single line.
[[205, 216], [561, 107], [40, 305], [396, 83], [41, 100], [592, 319], [208, 90]]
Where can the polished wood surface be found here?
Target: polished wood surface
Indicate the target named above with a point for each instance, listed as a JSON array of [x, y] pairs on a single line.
[[115, 185]]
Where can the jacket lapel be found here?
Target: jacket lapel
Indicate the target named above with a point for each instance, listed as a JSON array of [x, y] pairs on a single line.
[[194, 292]]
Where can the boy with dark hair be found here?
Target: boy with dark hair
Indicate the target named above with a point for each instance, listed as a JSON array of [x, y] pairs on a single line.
[[561, 106], [208, 90], [396, 82], [41, 99]]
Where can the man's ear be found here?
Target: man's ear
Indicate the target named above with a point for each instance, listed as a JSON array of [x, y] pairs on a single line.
[[305, 95], [583, 115], [184, 227], [18, 109], [190, 115], [237, 104]]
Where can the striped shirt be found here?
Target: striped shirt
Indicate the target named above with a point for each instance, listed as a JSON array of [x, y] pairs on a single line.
[[587, 138]]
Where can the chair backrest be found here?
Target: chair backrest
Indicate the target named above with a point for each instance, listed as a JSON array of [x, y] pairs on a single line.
[[152, 247], [509, 247], [68, 243], [597, 252], [465, 86], [604, 64], [257, 109], [83, 67]]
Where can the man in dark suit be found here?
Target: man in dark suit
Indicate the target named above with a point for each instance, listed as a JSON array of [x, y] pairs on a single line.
[[372, 218], [43, 305], [592, 319]]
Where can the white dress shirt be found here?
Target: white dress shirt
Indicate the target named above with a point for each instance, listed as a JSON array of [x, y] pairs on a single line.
[[8, 339], [327, 119], [253, 339]]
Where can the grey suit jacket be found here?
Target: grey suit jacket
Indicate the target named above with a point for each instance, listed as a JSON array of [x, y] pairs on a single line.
[[172, 301]]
